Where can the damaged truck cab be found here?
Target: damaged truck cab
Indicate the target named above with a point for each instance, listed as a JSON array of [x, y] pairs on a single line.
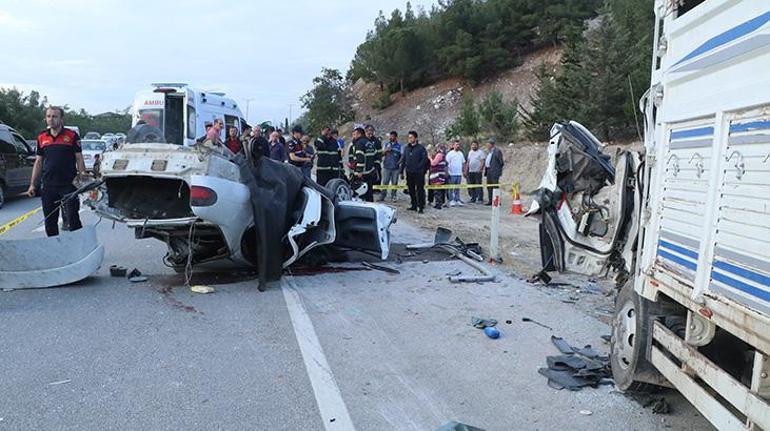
[[685, 225]]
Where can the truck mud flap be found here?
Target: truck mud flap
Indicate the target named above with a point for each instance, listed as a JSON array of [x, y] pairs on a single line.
[[49, 262]]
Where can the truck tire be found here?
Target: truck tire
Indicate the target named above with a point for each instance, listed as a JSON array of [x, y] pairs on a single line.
[[630, 331], [341, 189]]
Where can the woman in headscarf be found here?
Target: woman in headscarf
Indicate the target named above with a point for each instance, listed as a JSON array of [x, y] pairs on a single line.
[[438, 174]]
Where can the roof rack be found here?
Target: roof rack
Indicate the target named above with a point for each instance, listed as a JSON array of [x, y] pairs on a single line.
[[169, 84]]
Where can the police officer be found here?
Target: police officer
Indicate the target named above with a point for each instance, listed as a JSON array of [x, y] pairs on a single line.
[[329, 165], [378, 150], [60, 159], [296, 151], [366, 155]]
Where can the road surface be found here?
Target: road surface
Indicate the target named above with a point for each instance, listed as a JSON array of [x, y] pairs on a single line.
[[327, 351]]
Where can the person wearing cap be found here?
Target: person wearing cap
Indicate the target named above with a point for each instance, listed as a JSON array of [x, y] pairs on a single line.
[[493, 167], [365, 154], [329, 165], [296, 151]]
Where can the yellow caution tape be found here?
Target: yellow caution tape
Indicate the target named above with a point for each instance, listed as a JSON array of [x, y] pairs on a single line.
[[440, 187], [8, 226]]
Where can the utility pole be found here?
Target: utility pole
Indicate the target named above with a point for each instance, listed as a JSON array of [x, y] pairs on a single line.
[[248, 101], [290, 120]]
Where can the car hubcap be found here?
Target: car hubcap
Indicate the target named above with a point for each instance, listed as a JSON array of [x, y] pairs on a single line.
[[343, 193], [625, 334]]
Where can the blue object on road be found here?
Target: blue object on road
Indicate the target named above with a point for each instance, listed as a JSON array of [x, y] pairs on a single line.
[[492, 332]]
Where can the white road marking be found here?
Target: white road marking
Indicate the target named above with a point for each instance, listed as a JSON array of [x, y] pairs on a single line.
[[334, 412], [42, 227]]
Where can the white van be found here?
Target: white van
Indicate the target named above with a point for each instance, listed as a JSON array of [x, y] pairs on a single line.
[[182, 112]]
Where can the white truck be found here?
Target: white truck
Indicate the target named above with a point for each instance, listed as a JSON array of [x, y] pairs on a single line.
[[685, 225]]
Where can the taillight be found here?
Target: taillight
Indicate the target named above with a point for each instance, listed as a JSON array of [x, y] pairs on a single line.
[[202, 196]]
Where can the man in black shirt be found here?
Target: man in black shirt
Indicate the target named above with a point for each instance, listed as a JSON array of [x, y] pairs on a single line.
[[415, 163], [60, 159]]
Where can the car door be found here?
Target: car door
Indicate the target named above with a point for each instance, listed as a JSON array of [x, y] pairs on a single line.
[[26, 160]]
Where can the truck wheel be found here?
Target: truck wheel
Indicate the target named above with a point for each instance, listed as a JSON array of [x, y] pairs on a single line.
[[341, 189], [630, 330]]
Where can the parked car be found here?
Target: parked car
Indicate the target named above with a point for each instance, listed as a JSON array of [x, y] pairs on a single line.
[[121, 137], [92, 149], [16, 161], [92, 135], [75, 129]]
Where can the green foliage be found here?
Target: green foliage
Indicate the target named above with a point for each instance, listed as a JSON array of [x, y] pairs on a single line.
[[467, 123], [599, 68], [26, 114], [471, 39], [328, 103], [499, 116]]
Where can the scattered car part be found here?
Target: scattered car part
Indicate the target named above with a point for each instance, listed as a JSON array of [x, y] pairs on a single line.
[[382, 268], [135, 276], [59, 260], [527, 319], [118, 271]]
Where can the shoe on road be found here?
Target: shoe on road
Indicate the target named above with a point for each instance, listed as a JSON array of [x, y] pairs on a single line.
[[419, 211], [488, 204]]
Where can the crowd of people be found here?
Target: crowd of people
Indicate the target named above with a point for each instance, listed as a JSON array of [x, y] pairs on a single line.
[[372, 162]]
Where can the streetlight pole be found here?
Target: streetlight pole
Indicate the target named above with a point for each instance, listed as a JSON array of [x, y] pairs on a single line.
[[248, 101], [290, 106]]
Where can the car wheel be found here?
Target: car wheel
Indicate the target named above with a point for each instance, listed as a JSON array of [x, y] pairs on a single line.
[[630, 331], [341, 189]]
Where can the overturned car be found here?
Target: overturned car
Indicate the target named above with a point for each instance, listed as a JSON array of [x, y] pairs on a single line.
[[213, 207]]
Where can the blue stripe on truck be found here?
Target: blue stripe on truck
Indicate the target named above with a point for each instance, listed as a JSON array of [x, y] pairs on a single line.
[[728, 36], [739, 285], [745, 127], [679, 249], [676, 259], [743, 272], [692, 133]]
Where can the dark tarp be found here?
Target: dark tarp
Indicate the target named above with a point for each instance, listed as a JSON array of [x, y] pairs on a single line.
[[275, 189]]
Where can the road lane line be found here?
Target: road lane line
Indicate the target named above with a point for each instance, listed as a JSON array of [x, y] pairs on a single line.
[[334, 412]]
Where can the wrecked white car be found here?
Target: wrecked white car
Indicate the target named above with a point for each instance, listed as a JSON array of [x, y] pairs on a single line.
[[210, 206]]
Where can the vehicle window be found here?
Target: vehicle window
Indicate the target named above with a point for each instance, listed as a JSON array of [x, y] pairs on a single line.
[[6, 142], [93, 145], [153, 117], [192, 122], [686, 6], [21, 145]]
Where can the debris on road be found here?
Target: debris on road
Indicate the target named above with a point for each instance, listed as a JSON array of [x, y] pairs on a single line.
[[527, 319], [458, 426], [58, 260], [480, 323], [382, 268], [60, 382], [135, 276], [586, 412], [118, 271], [576, 368], [492, 332], [202, 289]]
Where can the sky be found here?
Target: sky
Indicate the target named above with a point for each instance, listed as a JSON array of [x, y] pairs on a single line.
[[96, 54]]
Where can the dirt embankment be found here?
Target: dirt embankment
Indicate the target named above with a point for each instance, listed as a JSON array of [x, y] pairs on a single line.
[[429, 110]]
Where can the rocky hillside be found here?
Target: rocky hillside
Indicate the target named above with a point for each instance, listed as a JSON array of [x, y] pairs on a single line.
[[430, 110]]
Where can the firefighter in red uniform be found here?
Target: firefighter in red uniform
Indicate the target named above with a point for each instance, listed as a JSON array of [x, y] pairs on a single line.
[[60, 158]]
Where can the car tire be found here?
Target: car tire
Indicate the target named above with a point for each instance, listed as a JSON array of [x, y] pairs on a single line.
[[628, 346], [341, 190]]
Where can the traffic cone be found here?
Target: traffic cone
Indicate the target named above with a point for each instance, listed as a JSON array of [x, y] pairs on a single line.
[[516, 207]]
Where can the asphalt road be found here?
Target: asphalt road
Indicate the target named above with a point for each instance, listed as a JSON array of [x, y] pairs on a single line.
[[354, 349]]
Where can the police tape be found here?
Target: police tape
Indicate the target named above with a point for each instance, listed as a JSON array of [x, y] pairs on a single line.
[[8, 226], [444, 186]]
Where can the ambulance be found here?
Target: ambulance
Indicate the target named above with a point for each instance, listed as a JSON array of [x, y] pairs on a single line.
[[181, 112]]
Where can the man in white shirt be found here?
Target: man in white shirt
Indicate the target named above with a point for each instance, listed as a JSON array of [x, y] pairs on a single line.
[[475, 166], [456, 166]]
